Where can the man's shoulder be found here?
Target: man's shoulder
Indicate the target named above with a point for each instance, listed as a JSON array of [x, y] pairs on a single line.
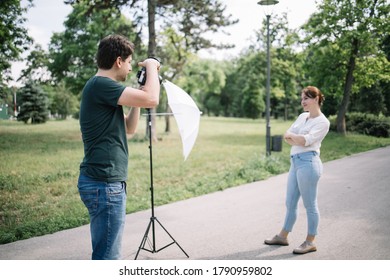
[[102, 83], [104, 80]]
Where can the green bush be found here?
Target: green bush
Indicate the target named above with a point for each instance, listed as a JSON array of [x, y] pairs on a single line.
[[333, 123], [367, 124]]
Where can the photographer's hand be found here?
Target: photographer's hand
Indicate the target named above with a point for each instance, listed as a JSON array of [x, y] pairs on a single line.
[[149, 62], [148, 95], [152, 84]]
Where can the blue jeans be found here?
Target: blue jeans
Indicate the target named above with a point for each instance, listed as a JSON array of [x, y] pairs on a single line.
[[106, 204], [305, 171]]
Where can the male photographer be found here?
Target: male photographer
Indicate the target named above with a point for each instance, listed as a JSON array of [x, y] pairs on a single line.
[[104, 125]]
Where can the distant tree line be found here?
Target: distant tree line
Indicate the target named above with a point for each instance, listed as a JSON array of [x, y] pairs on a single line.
[[343, 49]]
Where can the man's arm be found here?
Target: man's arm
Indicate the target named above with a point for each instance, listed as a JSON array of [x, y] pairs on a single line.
[[131, 120], [149, 95]]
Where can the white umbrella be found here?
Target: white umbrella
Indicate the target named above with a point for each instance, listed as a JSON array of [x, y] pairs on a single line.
[[186, 113]]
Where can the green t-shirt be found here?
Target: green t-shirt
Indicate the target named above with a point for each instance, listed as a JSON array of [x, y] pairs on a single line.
[[103, 131]]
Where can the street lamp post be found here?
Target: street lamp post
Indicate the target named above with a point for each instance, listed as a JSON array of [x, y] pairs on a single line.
[[267, 109]]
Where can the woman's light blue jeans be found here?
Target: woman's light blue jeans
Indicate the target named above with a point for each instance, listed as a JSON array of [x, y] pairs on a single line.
[[305, 171], [106, 204]]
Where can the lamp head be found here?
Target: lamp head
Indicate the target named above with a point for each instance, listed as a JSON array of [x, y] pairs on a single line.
[[268, 5], [268, 2]]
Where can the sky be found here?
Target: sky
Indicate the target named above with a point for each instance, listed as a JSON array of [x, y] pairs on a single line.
[[47, 17]]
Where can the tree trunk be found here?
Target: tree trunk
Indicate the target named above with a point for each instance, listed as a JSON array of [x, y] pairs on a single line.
[[152, 52], [341, 125], [167, 120], [169, 111], [285, 117]]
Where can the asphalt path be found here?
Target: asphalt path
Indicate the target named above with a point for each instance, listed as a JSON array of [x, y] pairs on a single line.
[[354, 201]]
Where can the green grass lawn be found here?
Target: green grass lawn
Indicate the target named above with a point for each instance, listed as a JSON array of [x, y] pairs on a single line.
[[39, 167]]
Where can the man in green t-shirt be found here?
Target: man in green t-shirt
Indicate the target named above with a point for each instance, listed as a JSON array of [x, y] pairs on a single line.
[[104, 126]]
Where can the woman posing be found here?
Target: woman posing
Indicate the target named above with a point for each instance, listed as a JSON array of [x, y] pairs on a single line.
[[305, 136]]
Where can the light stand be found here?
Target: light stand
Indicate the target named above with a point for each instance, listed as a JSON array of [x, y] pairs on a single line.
[[153, 219], [268, 3]]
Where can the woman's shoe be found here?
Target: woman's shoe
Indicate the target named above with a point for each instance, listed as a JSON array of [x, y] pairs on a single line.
[[306, 247], [276, 240]]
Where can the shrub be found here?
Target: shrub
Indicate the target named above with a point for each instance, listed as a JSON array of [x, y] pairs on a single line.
[[367, 124]]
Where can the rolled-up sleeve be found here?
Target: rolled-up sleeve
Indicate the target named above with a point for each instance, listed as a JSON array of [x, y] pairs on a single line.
[[317, 133]]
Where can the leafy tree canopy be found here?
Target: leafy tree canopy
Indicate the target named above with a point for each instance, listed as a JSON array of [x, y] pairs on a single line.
[[72, 52], [344, 53], [14, 37]]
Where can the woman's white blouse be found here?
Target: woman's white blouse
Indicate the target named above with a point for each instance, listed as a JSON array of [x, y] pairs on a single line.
[[313, 129]]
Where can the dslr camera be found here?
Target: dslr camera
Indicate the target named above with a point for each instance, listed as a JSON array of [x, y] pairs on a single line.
[[141, 74]]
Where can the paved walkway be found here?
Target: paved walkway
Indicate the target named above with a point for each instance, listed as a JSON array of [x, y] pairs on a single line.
[[354, 199]]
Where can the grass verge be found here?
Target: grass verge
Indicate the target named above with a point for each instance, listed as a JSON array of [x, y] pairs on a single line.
[[39, 167]]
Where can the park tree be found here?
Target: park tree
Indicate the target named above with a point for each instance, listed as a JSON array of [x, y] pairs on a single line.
[[244, 93], [14, 39], [245, 87], [204, 80], [286, 77], [286, 62], [385, 85], [252, 102], [62, 103], [72, 52], [185, 24], [370, 100], [191, 20], [286, 83], [344, 51], [33, 104], [37, 66], [194, 19]]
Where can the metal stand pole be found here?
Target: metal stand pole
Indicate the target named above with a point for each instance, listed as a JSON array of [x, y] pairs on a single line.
[[268, 128], [153, 219]]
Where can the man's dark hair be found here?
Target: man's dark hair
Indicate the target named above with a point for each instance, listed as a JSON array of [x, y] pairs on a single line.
[[110, 48]]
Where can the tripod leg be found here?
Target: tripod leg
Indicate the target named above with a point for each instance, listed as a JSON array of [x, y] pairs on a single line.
[[171, 237], [141, 246]]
